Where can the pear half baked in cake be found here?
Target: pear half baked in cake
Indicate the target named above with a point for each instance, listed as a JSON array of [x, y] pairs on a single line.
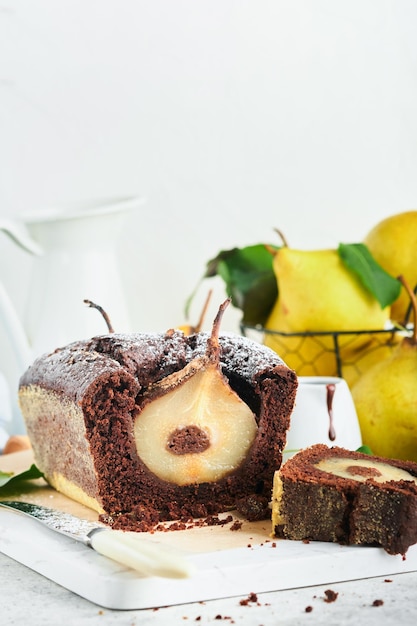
[[159, 426]]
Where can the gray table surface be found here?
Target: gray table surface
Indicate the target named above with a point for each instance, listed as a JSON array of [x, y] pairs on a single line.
[[30, 599]]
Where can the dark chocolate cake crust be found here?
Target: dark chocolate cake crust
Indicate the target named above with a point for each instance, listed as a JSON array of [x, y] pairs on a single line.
[[81, 401], [332, 494]]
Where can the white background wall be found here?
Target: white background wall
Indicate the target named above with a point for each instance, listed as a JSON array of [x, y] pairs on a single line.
[[231, 117]]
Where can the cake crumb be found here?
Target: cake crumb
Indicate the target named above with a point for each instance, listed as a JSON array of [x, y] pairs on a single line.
[[331, 596], [308, 608], [252, 597], [237, 525], [377, 603], [387, 580], [128, 521]]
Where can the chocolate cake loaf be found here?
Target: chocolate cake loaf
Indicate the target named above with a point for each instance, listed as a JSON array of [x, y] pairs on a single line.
[[159, 426], [331, 494]]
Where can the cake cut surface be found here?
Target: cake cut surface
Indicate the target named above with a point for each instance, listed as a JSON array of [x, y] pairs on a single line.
[[332, 494], [120, 424]]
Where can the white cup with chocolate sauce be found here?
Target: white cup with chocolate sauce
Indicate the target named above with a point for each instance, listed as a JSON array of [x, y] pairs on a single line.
[[324, 412]]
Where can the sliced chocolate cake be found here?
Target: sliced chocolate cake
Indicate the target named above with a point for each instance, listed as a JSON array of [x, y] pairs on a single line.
[[332, 494]]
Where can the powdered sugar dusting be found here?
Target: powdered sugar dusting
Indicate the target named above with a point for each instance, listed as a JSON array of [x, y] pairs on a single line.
[[143, 353]]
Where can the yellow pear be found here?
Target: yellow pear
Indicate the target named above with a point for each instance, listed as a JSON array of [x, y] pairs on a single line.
[[393, 244], [307, 355], [359, 355], [318, 294], [385, 398]]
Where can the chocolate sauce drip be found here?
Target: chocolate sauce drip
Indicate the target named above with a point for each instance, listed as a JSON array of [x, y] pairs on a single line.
[[330, 395]]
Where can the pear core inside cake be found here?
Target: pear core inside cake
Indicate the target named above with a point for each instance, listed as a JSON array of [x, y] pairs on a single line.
[[200, 432], [362, 470]]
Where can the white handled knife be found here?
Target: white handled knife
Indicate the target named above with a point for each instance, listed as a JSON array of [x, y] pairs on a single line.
[[128, 548]]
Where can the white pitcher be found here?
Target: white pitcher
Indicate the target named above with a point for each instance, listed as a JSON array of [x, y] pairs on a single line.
[[74, 258]]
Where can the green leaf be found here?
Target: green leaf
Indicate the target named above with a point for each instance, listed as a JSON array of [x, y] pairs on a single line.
[[249, 279], [5, 477], [365, 450], [10, 478], [384, 287]]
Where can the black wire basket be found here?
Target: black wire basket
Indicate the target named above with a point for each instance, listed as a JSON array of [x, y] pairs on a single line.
[[346, 354]]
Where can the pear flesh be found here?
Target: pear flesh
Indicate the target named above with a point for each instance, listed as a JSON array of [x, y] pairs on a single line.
[[360, 470], [207, 403], [193, 427]]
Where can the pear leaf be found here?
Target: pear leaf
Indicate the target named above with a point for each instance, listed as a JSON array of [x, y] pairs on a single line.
[[365, 450], [384, 287], [249, 279], [10, 478]]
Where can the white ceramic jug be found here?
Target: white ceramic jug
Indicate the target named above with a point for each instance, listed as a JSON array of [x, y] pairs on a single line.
[[75, 258]]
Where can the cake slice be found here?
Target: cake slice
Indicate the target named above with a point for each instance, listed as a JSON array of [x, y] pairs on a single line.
[[332, 494], [150, 427]]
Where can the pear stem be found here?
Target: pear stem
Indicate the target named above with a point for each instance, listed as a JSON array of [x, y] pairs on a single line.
[[103, 312], [200, 322], [414, 306], [213, 345], [272, 251], [282, 237]]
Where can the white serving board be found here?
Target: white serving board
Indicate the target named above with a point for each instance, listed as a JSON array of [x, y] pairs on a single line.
[[228, 563]]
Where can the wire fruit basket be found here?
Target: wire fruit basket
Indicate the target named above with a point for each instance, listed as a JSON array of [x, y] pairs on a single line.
[[346, 354]]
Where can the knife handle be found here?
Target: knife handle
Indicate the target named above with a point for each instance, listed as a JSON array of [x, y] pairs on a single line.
[[140, 554]]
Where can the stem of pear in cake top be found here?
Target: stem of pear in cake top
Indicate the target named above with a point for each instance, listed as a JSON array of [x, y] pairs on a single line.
[[213, 346], [414, 305], [200, 322], [93, 305]]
